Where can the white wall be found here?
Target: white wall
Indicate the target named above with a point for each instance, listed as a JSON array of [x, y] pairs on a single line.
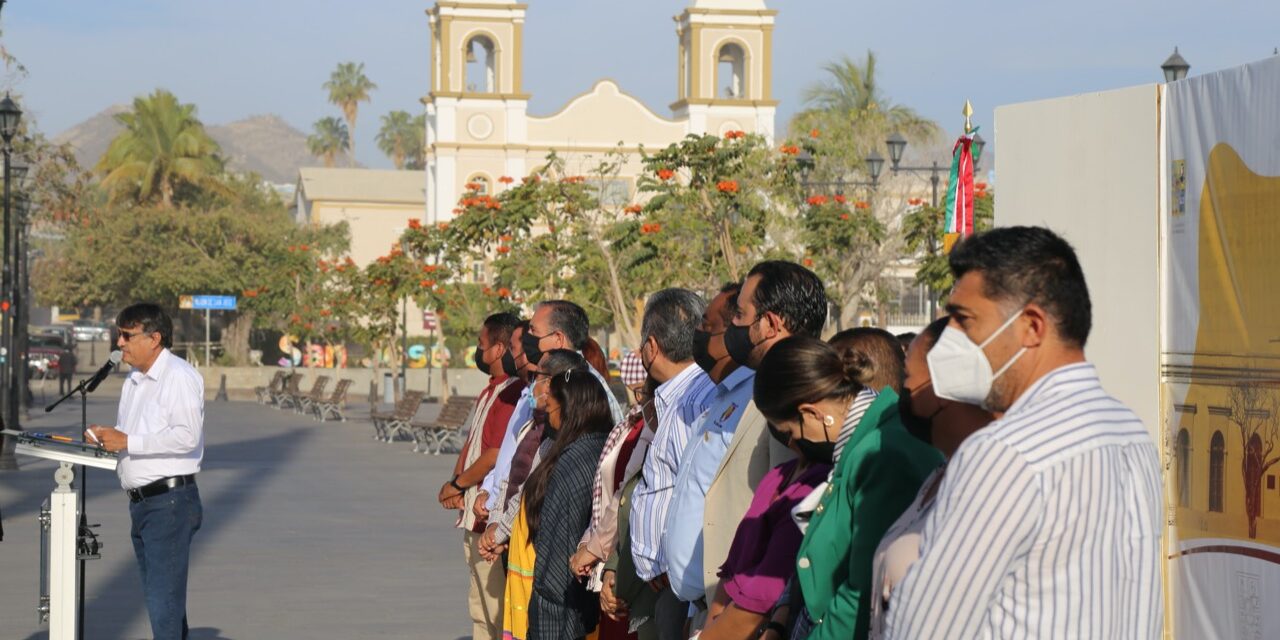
[[1087, 167]]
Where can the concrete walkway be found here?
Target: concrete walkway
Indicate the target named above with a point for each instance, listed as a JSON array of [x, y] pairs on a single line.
[[311, 530]]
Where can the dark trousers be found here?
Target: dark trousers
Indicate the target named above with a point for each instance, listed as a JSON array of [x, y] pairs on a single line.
[[163, 526], [669, 615], [64, 384]]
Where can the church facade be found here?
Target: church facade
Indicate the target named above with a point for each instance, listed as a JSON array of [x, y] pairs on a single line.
[[479, 128]]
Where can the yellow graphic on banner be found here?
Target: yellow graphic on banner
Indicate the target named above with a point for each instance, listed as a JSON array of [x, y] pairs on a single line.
[[1227, 431]]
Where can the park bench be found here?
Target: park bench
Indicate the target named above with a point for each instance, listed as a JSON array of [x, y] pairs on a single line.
[[447, 428], [302, 403], [294, 400], [388, 425], [336, 404], [288, 390], [275, 386]]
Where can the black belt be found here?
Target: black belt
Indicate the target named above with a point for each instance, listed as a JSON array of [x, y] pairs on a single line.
[[159, 487]]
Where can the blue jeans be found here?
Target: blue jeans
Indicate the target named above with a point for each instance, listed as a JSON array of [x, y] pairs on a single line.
[[163, 526]]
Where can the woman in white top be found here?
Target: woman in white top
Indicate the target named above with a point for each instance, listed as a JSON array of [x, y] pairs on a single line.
[[942, 423]]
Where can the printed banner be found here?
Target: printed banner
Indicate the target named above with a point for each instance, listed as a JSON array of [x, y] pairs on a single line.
[[1221, 352]]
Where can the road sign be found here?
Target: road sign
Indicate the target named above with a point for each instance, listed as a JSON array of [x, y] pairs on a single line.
[[430, 322], [214, 303]]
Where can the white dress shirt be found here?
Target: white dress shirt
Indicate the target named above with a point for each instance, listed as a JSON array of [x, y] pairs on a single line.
[[1046, 525], [162, 412]]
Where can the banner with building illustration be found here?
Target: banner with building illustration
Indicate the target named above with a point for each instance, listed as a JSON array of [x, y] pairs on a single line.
[[1220, 344]]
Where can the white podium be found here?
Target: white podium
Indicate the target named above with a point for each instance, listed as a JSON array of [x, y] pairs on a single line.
[[63, 522]]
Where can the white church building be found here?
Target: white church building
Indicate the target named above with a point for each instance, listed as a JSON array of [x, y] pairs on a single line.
[[479, 128]]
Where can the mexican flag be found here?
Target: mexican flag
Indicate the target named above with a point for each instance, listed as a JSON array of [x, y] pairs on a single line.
[[960, 192]]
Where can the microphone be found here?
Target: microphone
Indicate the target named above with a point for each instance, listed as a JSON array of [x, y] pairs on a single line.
[[112, 361]]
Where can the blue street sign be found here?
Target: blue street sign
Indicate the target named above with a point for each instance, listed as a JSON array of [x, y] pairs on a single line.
[[215, 303]]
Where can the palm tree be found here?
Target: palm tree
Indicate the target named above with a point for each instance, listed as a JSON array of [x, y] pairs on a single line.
[[162, 145], [329, 140], [348, 87], [849, 110], [396, 139], [417, 156]]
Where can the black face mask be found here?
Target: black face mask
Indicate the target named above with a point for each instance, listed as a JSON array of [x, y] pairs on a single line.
[[702, 350], [531, 351], [822, 452], [921, 428], [781, 436], [508, 363], [478, 356], [737, 341]]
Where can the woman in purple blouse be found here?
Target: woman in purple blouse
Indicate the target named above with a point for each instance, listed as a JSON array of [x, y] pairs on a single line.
[[763, 555]]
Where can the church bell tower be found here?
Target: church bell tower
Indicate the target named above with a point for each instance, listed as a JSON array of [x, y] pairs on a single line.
[[725, 78]]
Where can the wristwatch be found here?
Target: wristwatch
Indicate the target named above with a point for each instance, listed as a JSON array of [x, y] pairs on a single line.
[[454, 483]]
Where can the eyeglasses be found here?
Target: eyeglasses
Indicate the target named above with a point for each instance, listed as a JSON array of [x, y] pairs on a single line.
[[129, 335]]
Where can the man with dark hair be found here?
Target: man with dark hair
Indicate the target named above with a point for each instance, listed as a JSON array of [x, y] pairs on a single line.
[[160, 442], [1061, 494], [486, 429], [671, 317], [886, 362], [686, 562], [494, 482]]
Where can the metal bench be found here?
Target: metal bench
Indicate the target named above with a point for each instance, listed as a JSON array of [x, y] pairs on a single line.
[[446, 429], [302, 403], [275, 386], [294, 400], [335, 405], [288, 390], [387, 426]]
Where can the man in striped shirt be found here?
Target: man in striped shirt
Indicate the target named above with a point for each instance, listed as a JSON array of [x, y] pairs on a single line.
[[670, 318], [1047, 522]]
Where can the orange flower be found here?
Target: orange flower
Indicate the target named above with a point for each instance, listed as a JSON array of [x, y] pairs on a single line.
[[487, 291], [429, 268], [415, 223], [790, 150], [817, 201], [350, 262], [504, 292], [427, 284], [456, 212], [665, 174], [326, 313], [305, 248], [439, 290], [814, 133], [839, 197], [844, 216], [505, 238], [808, 262], [862, 204], [473, 186], [506, 180], [309, 326], [442, 226], [295, 318], [727, 186], [915, 202], [734, 135], [504, 249], [980, 186], [635, 208]]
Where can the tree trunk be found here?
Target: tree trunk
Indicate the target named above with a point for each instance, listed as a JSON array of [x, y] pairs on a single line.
[[622, 316], [235, 338]]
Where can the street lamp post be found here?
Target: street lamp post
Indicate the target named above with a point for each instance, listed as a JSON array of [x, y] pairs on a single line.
[[897, 144], [10, 116], [22, 306], [1175, 67], [805, 160]]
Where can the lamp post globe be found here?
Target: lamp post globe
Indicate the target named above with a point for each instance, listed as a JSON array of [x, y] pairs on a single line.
[[875, 163], [897, 143], [1175, 67], [10, 116]]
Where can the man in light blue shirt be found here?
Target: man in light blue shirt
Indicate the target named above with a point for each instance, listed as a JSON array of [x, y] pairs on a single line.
[[671, 317], [712, 433]]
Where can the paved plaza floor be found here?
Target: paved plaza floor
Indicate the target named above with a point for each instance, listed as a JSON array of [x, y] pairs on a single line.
[[311, 530]]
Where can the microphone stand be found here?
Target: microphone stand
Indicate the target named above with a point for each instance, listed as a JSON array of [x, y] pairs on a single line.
[[83, 551]]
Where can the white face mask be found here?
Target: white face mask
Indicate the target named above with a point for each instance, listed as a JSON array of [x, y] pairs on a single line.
[[960, 369]]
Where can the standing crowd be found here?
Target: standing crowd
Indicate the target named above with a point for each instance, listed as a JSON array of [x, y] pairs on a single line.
[[975, 480]]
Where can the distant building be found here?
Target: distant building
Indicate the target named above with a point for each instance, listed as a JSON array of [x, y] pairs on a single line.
[[376, 205], [479, 128]]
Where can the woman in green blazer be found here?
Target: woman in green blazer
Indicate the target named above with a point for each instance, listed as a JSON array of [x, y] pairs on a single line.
[[805, 387]]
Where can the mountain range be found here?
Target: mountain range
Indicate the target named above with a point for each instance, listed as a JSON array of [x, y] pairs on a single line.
[[265, 144]]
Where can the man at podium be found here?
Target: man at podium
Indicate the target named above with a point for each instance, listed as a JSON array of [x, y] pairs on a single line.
[[159, 438]]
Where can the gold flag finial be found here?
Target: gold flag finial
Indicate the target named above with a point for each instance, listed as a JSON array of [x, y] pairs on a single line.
[[968, 114]]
